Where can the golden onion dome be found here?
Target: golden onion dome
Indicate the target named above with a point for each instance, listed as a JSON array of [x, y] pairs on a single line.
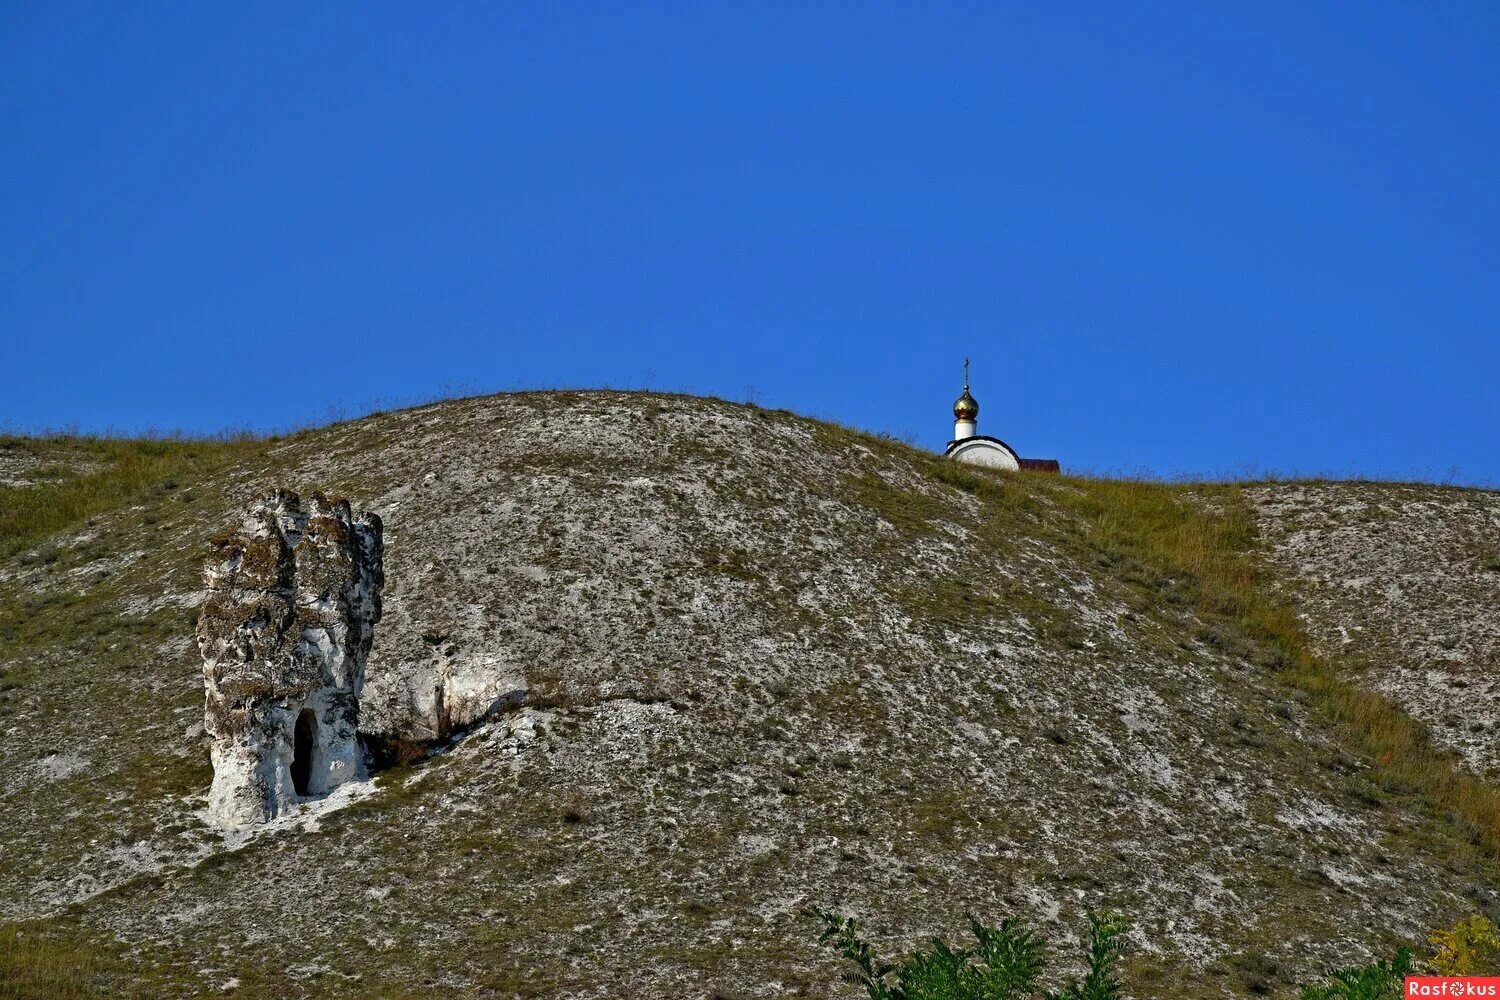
[[966, 407]]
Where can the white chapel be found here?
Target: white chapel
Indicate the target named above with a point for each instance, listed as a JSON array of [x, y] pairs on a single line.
[[974, 448]]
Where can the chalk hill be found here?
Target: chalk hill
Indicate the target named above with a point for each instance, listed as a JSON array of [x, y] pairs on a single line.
[[688, 667]]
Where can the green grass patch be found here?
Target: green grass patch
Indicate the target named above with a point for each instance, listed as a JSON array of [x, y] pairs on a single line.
[[910, 512], [35, 965], [114, 471]]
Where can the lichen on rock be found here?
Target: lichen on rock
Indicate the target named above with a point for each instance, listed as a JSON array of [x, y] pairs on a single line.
[[293, 598]]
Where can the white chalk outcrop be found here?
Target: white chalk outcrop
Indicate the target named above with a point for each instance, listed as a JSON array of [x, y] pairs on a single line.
[[293, 598]]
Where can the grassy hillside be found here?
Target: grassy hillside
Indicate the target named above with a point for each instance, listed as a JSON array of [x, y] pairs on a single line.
[[53, 483], [762, 663], [1400, 583]]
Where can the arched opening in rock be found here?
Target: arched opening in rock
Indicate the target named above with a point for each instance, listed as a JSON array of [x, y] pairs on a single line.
[[303, 740]]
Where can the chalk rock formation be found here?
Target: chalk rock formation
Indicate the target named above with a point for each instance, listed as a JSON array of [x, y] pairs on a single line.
[[293, 598]]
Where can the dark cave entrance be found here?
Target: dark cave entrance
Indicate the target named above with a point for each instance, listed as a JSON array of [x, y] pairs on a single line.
[[302, 749]]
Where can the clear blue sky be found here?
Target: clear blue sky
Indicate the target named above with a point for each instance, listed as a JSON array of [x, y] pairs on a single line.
[[1173, 237]]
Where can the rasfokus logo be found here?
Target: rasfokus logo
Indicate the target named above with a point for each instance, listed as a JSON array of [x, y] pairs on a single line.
[[1452, 986]]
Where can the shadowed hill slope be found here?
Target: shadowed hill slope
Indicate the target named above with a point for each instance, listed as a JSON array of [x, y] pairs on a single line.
[[692, 666]]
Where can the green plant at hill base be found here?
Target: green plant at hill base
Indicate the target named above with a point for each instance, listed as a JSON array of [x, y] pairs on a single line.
[[1470, 947], [1381, 980], [1006, 963]]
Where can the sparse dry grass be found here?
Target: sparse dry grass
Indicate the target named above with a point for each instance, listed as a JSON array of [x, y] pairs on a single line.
[[1202, 542], [115, 471], [34, 966], [1211, 543]]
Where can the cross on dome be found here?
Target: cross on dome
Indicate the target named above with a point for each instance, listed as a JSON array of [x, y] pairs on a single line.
[[966, 407]]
